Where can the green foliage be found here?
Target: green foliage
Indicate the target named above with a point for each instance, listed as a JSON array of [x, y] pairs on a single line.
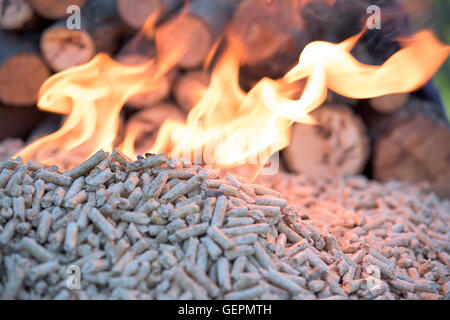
[[441, 24]]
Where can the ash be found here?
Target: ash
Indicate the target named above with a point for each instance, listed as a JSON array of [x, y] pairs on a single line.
[[160, 228]]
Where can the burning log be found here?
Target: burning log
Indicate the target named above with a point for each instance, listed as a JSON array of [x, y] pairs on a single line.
[[22, 70], [189, 88], [272, 34], [135, 12], [337, 146], [412, 145], [100, 31], [55, 9], [193, 32]]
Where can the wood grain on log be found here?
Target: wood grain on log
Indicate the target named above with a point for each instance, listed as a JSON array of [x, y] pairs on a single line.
[[413, 145], [135, 12], [22, 70], [100, 31], [189, 88], [338, 146], [55, 9], [188, 37]]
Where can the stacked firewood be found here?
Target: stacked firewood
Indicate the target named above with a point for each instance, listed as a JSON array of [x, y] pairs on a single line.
[[403, 136]]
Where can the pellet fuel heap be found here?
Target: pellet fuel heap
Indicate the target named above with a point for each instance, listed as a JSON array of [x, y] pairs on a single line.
[[160, 228]]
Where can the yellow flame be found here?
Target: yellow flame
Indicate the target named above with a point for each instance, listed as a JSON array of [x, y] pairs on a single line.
[[228, 127]]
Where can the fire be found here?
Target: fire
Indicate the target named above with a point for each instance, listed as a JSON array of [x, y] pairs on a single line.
[[335, 67], [228, 127], [232, 120]]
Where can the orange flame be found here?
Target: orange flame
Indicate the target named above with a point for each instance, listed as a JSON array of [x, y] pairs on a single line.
[[240, 127], [228, 127]]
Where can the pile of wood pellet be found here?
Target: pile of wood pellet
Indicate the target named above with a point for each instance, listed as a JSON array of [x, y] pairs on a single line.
[[160, 228]]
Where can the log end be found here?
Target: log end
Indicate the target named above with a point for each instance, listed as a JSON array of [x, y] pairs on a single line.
[[186, 39], [15, 15], [135, 12], [416, 149], [338, 146], [54, 9], [189, 88], [21, 77], [145, 124], [63, 48], [389, 103]]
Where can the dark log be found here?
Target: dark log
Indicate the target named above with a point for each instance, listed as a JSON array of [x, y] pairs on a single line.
[[412, 145], [55, 9], [389, 103], [22, 70], [273, 35], [189, 36], [135, 12], [18, 122], [100, 31], [338, 146]]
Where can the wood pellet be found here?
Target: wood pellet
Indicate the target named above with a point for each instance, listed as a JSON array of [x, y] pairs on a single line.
[[159, 228]]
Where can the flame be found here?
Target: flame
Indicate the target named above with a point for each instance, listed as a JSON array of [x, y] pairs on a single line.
[[406, 70], [241, 127], [92, 95], [228, 127]]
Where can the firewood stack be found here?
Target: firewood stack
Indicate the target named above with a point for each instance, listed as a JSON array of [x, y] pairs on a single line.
[[403, 136]]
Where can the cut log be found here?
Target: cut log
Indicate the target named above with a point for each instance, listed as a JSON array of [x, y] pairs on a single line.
[[17, 15], [135, 12], [338, 146], [188, 37], [22, 70], [145, 124], [100, 31], [190, 88], [389, 103], [139, 50], [272, 34], [55, 9], [413, 145], [18, 122]]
